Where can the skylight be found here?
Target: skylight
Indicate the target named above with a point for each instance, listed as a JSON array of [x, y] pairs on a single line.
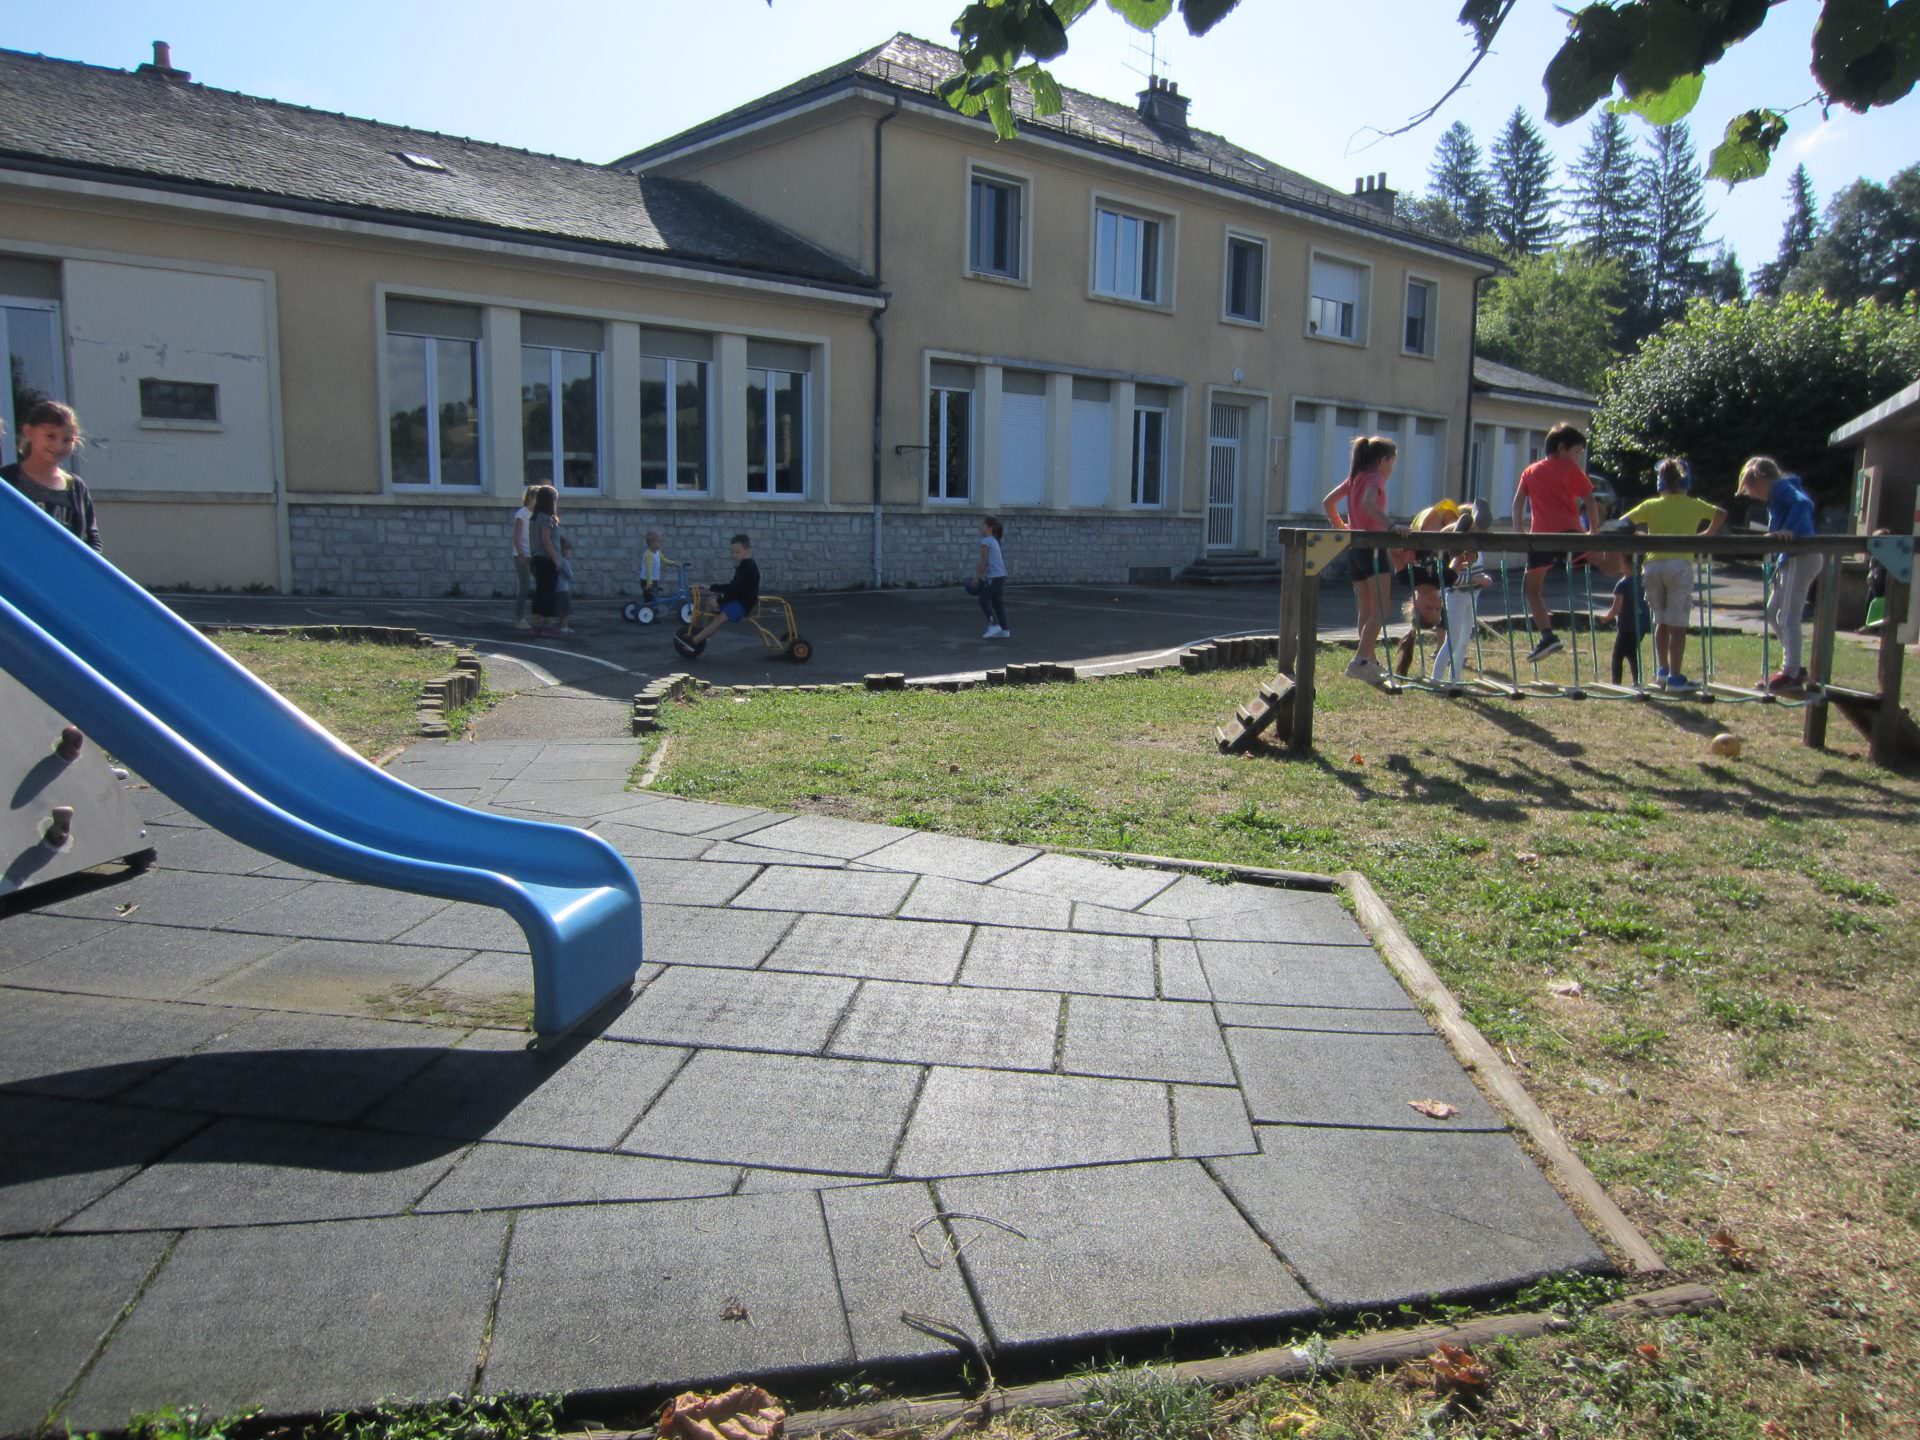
[[420, 162]]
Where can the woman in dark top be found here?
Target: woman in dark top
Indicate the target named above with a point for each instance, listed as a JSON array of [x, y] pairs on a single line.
[[49, 434], [544, 541]]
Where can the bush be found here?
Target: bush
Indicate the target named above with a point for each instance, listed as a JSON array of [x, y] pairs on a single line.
[[1773, 377]]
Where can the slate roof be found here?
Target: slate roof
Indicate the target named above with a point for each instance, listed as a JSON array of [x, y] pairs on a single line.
[[916, 67], [150, 129], [1491, 375]]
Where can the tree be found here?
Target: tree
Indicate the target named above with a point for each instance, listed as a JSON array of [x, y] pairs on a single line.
[[1457, 179], [1676, 224], [1653, 53], [1870, 249], [1521, 217], [1554, 316], [1606, 197], [1796, 237], [1772, 376], [1725, 281]]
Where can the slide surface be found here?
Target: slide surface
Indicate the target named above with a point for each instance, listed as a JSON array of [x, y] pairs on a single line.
[[167, 701]]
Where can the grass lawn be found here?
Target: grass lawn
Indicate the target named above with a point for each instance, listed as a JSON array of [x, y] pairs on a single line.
[[366, 694], [1741, 1054]]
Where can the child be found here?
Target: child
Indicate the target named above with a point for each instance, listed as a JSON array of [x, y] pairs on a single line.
[[1668, 579], [49, 434], [990, 579], [1466, 582], [1789, 513], [653, 566], [1556, 491], [563, 587], [543, 540], [1423, 570], [734, 601], [1365, 493], [523, 560], [1629, 615]]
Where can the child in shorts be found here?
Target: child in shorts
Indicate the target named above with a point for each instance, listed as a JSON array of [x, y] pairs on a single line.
[[1668, 579], [734, 600], [1558, 495], [1364, 492]]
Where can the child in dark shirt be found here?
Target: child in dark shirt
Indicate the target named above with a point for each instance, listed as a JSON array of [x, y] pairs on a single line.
[[49, 434], [734, 601]]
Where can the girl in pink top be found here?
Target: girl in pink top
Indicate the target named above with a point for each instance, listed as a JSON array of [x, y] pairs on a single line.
[[1365, 493]]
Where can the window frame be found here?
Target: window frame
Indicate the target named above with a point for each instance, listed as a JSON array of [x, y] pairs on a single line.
[[51, 307], [1140, 413], [937, 439], [1363, 308], [1257, 321], [556, 419], [671, 391], [1432, 287], [1166, 267], [1021, 185], [804, 458], [431, 368]]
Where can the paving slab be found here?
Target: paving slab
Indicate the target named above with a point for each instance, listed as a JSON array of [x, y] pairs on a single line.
[[1047, 960], [1096, 1258], [332, 910], [146, 962], [1100, 920], [940, 1025], [58, 1155], [333, 977], [826, 892], [28, 935], [681, 817], [301, 1318], [1312, 919], [1193, 897], [1298, 1077], [682, 1292], [935, 898], [268, 1172], [493, 988], [732, 852], [564, 799], [1145, 1040], [467, 927], [172, 897], [826, 835], [876, 949], [1374, 1218], [1211, 1120], [198, 847], [1095, 882], [1314, 1017], [634, 841], [515, 1177], [86, 1046], [892, 1255], [491, 1087], [1337, 976], [736, 1010], [689, 882], [700, 935], [951, 856], [765, 1182], [57, 1299], [982, 1122], [794, 1112]]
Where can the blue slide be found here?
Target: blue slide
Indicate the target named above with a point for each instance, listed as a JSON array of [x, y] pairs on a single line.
[[169, 703]]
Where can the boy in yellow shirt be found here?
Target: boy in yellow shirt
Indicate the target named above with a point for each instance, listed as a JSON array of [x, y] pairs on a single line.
[[1668, 579]]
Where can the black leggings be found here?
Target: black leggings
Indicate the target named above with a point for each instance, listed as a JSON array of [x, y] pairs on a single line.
[[545, 576], [993, 602], [1626, 649]]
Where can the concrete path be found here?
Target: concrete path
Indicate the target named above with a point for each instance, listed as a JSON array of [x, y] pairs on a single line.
[[269, 1139]]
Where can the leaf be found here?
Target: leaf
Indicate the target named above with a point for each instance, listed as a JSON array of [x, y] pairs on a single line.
[[1357, 759], [1435, 1109], [1047, 99], [1664, 107], [1649, 1353], [1044, 37], [1865, 54], [1581, 74], [1000, 111], [1141, 14], [746, 1412], [1483, 17], [1730, 1249], [1747, 149], [1455, 1366], [1202, 15], [1525, 857], [1568, 988]]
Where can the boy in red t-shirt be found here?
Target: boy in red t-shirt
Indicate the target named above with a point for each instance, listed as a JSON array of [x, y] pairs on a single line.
[[1557, 493]]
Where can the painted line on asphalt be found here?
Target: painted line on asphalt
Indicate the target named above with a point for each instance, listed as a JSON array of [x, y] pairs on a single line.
[[499, 647]]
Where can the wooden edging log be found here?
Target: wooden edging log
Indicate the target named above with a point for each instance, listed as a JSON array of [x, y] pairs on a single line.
[[1407, 962], [1284, 1363]]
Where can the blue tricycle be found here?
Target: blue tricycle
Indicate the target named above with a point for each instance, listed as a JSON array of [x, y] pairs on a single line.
[[680, 602]]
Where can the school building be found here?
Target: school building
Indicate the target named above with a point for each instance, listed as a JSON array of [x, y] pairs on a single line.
[[320, 353]]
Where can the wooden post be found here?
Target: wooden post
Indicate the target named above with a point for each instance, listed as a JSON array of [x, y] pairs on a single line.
[[1884, 745], [1826, 618], [1293, 564], [1306, 630]]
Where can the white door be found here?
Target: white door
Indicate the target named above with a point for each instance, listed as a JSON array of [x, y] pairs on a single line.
[[1090, 472], [1223, 476], [1023, 449]]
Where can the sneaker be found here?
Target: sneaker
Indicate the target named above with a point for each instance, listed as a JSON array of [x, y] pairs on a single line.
[[1679, 683], [1361, 669], [523, 623], [1549, 645], [1660, 677], [993, 632], [1782, 681], [1004, 635]]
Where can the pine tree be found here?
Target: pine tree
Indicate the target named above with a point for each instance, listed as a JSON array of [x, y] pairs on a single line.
[[1609, 210], [1725, 281], [1676, 225], [1522, 217], [1796, 237], [1458, 179]]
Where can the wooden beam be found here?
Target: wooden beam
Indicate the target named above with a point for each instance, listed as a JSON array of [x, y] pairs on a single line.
[[1887, 742], [1826, 619], [1307, 629]]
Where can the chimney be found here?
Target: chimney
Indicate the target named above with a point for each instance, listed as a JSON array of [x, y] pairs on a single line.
[[1372, 190], [163, 65], [1163, 106]]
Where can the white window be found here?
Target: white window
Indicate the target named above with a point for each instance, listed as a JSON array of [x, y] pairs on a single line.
[[950, 433], [1246, 281], [1023, 438], [1126, 255], [1148, 487], [1089, 477], [194, 403], [433, 393], [560, 400], [1303, 462], [1422, 296], [675, 436], [1336, 310], [30, 345], [995, 229], [777, 426]]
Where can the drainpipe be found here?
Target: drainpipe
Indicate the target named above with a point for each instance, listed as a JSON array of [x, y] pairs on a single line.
[[879, 331], [1473, 348]]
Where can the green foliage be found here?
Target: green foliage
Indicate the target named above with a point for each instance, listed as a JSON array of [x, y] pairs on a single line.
[[1555, 315], [1457, 181], [1797, 235], [1605, 196], [1143, 1404], [1676, 225], [450, 1419], [1771, 377], [1869, 248], [1521, 215]]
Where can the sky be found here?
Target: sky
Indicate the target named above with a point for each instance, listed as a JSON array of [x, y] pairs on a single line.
[[1303, 82]]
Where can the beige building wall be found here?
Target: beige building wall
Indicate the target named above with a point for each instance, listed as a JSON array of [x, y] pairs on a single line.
[[1508, 436]]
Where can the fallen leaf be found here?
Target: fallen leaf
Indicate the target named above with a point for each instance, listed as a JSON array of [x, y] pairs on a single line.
[[746, 1412], [126, 907], [734, 1310], [1526, 857], [1294, 1424], [1358, 759], [953, 769], [1569, 988], [1730, 1249], [1435, 1109], [1455, 1366], [1650, 1353]]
